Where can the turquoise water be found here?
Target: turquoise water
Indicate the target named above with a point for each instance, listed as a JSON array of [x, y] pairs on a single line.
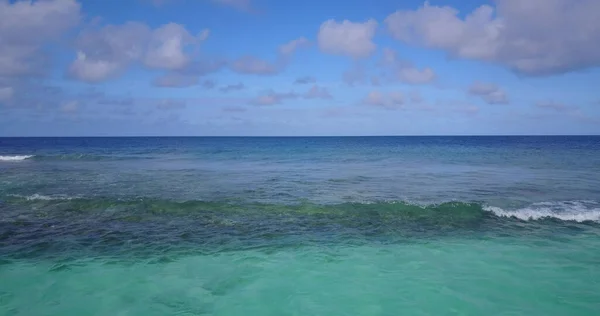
[[300, 226]]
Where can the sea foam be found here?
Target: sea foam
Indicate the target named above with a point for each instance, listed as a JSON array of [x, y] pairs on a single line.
[[41, 197], [578, 211], [15, 158]]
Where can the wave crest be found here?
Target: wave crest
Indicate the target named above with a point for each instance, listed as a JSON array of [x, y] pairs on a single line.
[[577, 211], [15, 157], [41, 197]]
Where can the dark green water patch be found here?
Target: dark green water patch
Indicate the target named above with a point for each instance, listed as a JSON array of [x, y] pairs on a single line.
[[32, 228]]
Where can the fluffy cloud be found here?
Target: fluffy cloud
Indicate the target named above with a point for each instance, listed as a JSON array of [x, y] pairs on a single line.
[[166, 46], [256, 66], [106, 52], [393, 100], [27, 25], [232, 87], [292, 46], [403, 70], [189, 75], [317, 92], [201, 67], [489, 92], [347, 38], [25, 29], [91, 70], [534, 37]]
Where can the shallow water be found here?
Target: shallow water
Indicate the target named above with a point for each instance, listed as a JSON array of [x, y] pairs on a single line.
[[300, 226]]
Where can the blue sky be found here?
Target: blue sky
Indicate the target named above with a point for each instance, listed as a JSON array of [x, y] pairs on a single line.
[[266, 67]]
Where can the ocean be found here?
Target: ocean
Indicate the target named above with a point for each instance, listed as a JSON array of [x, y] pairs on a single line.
[[300, 226]]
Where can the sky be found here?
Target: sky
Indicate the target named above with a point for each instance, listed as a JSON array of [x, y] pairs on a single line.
[[299, 68]]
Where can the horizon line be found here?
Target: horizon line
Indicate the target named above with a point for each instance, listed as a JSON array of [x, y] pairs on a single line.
[[304, 136]]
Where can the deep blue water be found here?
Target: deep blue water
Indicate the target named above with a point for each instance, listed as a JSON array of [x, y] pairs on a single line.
[[321, 169]]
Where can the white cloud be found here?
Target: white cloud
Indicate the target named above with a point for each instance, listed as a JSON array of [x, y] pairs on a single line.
[[27, 25], [166, 46], [256, 66], [189, 75], [291, 47], [91, 70], [106, 52], [347, 38], [533, 37], [489, 92], [393, 100], [403, 70]]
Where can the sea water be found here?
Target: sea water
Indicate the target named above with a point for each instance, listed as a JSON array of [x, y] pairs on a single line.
[[300, 226]]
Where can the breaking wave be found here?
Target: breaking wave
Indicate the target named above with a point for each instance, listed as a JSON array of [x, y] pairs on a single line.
[[577, 211], [15, 157]]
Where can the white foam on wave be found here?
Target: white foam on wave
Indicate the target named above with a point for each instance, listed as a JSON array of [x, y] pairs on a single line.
[[40, 197], [578, 211], [15, 158]]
